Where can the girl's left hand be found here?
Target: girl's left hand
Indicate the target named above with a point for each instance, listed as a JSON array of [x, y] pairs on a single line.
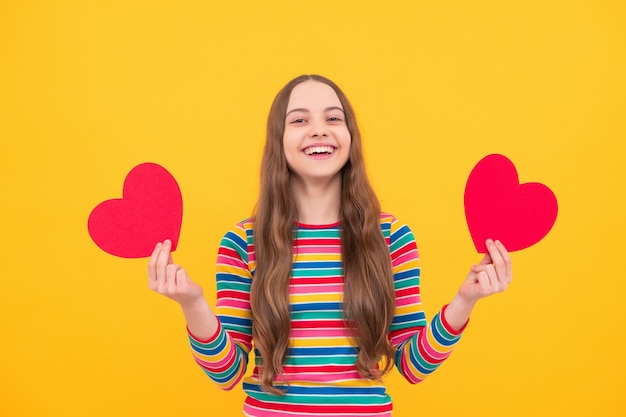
[[492, 275]]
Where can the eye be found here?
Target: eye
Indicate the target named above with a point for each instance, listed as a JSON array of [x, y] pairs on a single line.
[[334, 119], [298, 120]]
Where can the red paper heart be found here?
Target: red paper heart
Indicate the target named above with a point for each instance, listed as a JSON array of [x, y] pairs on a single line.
[[497, 206], [150, 211]]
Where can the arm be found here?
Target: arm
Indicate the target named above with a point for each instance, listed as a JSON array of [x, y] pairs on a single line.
[[224, 357], [422, 347], [220, 342], [492, 275], [171, 280]]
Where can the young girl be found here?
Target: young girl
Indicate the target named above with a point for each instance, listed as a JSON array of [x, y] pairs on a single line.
[[324, 284]]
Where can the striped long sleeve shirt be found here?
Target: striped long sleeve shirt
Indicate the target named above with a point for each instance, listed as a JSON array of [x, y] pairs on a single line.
[[321, 360]]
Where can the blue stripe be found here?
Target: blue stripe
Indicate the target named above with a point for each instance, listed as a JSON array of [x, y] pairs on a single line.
[[316, 265], [410, 273], [223, 377], [316, 307], [226, 277], [416, 362], [438, 334], [234, 241], [299, 390], [235, 321], [212, 348], [418, 317]]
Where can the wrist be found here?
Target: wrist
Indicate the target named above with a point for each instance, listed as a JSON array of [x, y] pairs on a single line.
[[201, 322], [457, 313], [194, 306], [463, 303]]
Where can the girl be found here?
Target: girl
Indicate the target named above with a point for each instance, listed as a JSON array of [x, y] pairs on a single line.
[[323, 283]]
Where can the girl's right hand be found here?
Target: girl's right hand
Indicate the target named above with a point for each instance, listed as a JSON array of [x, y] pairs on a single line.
[[170, 279]]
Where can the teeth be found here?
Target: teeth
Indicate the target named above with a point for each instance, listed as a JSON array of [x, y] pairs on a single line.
[[319, 149]]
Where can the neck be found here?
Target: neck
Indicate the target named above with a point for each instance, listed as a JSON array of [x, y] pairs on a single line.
[[317, 202]]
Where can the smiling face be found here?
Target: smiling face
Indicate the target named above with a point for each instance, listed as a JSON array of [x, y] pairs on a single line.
[[316, 138]]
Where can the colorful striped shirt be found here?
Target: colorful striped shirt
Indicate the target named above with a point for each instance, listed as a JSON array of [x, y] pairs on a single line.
[[320, 366]]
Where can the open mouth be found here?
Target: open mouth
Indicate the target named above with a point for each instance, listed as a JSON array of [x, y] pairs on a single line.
[[319, 150]]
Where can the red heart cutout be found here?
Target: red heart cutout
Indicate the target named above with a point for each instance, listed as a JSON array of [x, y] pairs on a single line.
[[497, 206], [150, 211]]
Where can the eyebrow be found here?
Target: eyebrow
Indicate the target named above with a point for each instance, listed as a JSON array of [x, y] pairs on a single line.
[[308, 111]]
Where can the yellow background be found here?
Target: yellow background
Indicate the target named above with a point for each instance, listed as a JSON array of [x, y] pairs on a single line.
[[89, 89]]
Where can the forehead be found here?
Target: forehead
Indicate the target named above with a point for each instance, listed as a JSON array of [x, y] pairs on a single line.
[[313, 95]]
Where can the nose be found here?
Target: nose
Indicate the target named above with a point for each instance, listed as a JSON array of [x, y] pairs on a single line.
[[318, 129]]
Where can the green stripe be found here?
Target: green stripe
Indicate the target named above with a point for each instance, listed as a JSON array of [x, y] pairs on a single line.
[[426, 365], [397, 244], [318, 234], [444, 332], [406, 282], [406, 325], [235, 286], [316, 315], [227, 243], [316, 273]]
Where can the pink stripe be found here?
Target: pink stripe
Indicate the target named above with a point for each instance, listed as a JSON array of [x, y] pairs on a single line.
[[400, 336], [430, 350], [313, 289], [409, 256], [252, 411], [408, 300], [216, 364], [225, 260], [318, 249], [320, 333], [240, 373], [412, 378], [324, 376], [234, 303]]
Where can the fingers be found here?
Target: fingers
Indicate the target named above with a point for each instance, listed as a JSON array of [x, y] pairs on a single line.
[[182, 279], [162, 261], [496, 257], [497, 274], [160, 266], [171, 273], [501, 261], [480, 275], [487, 279], [170, 279], [152, 275], [508, 262]]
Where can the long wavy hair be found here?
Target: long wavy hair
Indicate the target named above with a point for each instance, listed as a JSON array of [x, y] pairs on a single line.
[[369, 299]]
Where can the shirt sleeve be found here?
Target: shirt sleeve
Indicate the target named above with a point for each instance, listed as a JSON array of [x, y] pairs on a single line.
[[421, 346], [224, 357]]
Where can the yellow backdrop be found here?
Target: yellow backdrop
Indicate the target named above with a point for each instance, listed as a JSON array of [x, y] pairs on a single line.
[[90, 89]]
